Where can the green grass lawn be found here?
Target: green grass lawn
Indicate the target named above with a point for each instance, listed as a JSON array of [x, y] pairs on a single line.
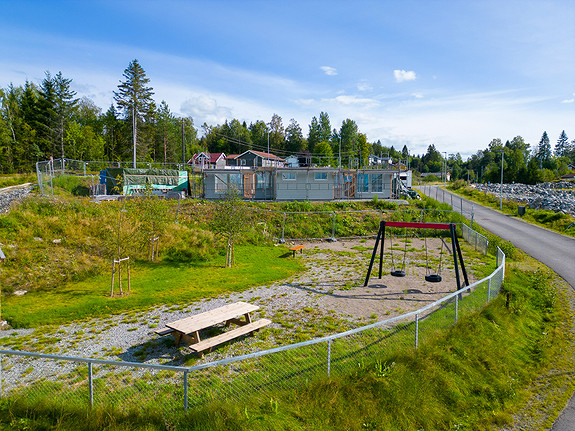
[[152, 284]]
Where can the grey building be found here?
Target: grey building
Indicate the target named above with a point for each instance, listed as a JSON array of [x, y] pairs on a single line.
[[286, 184]]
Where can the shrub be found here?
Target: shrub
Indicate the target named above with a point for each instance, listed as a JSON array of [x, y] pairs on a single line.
[[430, 179], [184, 244], [458, 185]]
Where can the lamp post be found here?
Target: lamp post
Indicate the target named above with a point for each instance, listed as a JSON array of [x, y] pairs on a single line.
[[501, 186], [2, 259], [445, 161], [340, 152], [268, 153]]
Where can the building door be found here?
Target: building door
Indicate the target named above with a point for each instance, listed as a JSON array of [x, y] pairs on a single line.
[[249, 186]]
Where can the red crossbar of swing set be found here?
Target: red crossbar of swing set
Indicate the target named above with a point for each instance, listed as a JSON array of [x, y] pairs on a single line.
[[417, 225]]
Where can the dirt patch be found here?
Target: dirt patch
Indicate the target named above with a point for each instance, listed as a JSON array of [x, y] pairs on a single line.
[[337, 270]]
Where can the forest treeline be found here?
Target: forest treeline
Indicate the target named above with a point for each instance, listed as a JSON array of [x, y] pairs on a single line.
[[46, 119]]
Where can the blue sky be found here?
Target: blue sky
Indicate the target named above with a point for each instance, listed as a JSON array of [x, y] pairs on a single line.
[[455, 74]]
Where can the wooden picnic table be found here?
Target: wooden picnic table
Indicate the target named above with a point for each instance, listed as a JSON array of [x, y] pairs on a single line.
[[188, 329]]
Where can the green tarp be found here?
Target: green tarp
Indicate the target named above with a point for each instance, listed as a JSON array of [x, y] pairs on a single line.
[[126, 180]]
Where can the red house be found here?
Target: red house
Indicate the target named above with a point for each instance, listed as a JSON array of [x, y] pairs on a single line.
[[208, 160]]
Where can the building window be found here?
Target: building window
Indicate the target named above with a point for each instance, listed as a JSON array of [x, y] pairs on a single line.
[[363, 183], [242, 162], [221, 183], [320, 176], [262, 181], [376, 183], [288, 176]]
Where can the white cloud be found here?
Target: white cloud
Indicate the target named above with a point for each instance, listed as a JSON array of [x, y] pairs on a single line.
[[354, 100], [364, 86], [207, 108], [418, 95], [304, 102], [403, 75], [569, 100], [329, 71]]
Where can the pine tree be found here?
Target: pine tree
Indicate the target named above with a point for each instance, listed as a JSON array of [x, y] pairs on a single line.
[[63, 104], [48, 115], [134, 98], [324, 127], [314, 135], [294, 137], [543, 150], [561, 144]]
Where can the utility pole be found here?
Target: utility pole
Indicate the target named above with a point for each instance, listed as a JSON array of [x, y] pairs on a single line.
[[183, 146], [268, 153], [134, 130]]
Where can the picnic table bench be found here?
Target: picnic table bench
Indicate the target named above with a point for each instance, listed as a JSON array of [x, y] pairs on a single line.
[[296, 248], [188, 329]]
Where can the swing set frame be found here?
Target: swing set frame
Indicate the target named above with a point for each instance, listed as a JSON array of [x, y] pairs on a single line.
[[456, 250]]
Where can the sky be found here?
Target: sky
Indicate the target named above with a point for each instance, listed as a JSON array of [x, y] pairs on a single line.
[[452, 73]]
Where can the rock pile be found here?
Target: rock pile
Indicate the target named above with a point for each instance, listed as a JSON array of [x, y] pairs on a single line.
[[9, 195], [558, 197]]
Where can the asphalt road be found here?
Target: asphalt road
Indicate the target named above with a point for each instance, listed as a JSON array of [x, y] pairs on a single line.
[[552, 249]]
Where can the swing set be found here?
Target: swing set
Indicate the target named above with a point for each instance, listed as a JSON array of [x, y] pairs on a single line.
[[430, 277]]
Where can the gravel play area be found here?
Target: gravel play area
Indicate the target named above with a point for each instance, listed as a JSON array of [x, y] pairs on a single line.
[[328, 297]]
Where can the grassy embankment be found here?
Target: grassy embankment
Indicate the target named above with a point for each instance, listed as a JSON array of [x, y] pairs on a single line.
[[558, 222], [16, 179]]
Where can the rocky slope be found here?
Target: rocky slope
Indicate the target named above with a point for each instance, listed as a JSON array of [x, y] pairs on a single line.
[[558, 196]]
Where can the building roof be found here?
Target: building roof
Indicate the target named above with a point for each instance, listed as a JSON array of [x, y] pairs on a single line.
[[264, 155], [213, 157]]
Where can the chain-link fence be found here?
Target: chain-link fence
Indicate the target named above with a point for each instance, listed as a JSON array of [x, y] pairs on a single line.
[[81, 383], [331, 225], [474, 238], [48, 170], [455, 201]]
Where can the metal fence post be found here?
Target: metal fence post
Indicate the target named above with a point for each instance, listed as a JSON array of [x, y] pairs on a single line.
[[329, 357], [1, 357], [416, 331], [456, 307], [461, 205], [489, 290], [333, 226], [283, 228], [91, 384], [472, 214], [185, 391]]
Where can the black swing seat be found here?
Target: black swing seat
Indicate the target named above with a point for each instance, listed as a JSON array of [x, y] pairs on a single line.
[[433, 278], [398, 273]]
